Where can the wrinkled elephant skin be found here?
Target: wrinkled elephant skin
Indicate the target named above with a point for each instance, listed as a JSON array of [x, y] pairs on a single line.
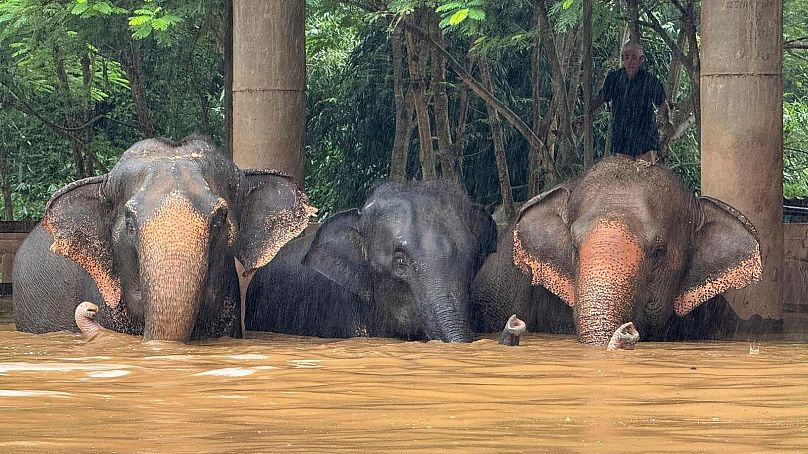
[[627, 241], [624, 242], [400, 267], [154, 241]]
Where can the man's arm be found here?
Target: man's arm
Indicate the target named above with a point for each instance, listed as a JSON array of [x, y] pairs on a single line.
[[597, 103]]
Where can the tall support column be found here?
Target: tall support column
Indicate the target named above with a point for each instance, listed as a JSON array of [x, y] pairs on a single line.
[[742, 131], [269, 85]]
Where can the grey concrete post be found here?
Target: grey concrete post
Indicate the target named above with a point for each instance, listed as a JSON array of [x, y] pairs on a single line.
[[269, 85], [742, 131]]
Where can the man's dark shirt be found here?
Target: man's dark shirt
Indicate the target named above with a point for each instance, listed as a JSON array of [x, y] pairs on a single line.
[[634, 129]]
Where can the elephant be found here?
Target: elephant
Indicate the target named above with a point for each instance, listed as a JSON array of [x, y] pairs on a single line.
[[154, 243], [624, 242], [400, 266]]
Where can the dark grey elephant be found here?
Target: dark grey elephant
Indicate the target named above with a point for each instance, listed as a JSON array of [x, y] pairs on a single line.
[[153, 243], [624, 242], [399, 267]]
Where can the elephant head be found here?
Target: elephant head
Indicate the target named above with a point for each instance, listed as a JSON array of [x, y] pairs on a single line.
[[628, 242], [411, 253], [159, 233]]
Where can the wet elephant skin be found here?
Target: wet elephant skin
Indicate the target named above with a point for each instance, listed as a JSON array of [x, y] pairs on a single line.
[[153, 243], [624, 242], [400, 267]]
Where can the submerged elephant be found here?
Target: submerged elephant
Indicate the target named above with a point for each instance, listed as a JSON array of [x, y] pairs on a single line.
[[624, 242], [154, 241], [399, 267]]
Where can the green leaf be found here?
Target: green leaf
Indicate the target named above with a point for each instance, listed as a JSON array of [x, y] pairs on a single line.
[[459, 16], [79, 8], [137, 21], [448, 7], [567, 4], [159, 24], [172, 19], [477, 14], [103, 8], [142, 32]]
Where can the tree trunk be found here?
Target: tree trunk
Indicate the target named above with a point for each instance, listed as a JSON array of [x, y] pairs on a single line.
[[404, 106], [689, 59], [462, 118], [556, 72], [8, 210], [64, 90], [499, 147], [136, 85], [587, 89], [633, 15], [695, 64], [88, 109], [539, 162], [417, 55], [475, 86], [5, 181], [228, 77], [448, 162]]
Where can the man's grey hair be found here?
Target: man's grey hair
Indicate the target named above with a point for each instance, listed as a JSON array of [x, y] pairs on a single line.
[[632, 45]]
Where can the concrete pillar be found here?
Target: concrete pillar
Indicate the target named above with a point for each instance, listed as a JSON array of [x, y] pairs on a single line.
[[269, 85], [742, 131]]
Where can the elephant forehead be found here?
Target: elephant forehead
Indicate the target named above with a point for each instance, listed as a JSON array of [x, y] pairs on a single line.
[[151, 179], [611, 244], [175, 222]]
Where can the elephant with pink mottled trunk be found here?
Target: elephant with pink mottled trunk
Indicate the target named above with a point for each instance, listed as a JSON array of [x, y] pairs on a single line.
[[154, 242], [625, 242]]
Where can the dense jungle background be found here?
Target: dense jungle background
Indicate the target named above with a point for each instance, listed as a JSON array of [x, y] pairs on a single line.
[[401, 89]]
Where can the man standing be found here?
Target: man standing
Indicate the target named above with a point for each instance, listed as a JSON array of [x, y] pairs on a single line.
[[633, 93]]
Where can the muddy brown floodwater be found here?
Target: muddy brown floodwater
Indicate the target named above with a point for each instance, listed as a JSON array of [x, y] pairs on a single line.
[[273, 393]]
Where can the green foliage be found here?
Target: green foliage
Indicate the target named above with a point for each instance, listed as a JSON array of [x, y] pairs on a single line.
[[152, 19], [350, 117], [467, 15], [86, 9], [181, 69], [795, 144]]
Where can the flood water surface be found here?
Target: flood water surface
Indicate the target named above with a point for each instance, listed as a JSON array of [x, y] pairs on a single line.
[[274, 393]]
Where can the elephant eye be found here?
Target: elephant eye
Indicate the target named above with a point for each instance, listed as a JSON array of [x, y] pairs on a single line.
[[219, 219], [129, 224], [400, 263], [658, 248]]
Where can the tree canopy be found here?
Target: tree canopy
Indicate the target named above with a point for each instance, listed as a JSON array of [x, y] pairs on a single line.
[[478, 91]]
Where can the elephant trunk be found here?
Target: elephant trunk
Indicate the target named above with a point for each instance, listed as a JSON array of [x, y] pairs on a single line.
[[610, 260], [448, 316], [173, 266]]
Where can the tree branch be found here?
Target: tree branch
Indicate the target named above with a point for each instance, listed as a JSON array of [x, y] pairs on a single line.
[[796, 44], [477, 87], [657, 27]]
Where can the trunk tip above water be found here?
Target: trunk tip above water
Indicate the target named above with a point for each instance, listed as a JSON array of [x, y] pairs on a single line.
[[513, 329], [624, 338]]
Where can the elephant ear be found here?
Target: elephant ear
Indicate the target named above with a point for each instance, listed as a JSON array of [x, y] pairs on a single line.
[[726, 254], [78, 216], [337, 252], [485, 230], [275, 210], [542, 244]]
